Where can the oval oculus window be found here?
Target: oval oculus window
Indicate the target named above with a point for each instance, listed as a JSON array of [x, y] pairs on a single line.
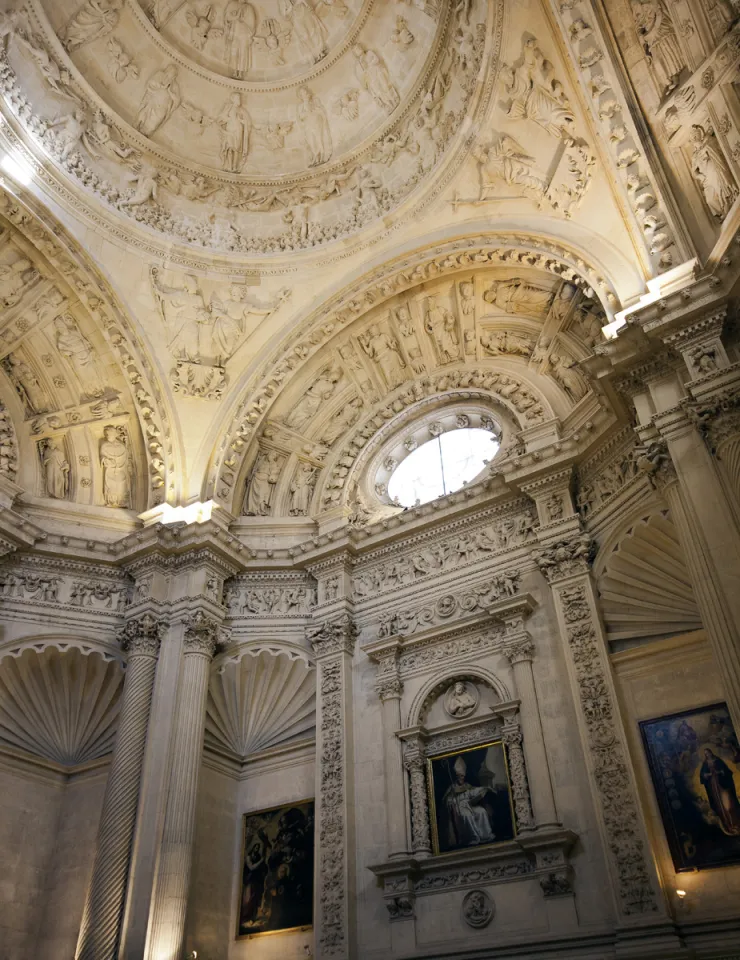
[[441, 466]]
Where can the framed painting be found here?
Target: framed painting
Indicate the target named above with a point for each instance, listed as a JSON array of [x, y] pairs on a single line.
[[470, 798], [276, 891], [694, 763]]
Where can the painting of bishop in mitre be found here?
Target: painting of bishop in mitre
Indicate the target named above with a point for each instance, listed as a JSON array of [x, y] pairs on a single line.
[[471, 798]]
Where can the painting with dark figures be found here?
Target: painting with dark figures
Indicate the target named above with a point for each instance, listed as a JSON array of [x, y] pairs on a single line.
[[694, 762], [277, 870], [470, 797]]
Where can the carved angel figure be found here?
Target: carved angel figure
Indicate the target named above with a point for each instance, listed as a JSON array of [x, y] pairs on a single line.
[[145, 185], [314, 127], [72, 133], [161, 98], [56, 469], [57, 77], [94, 19], [402, 36], [347, 105], [308, 30], [273, 41], [240, 22], [120, 63], [658, 34], [711, 172], [235, 127], [537, 96], [200, 15], [373, 75], [116, 465]]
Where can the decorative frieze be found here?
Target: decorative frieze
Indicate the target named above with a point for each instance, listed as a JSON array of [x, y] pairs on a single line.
[[255, 599]]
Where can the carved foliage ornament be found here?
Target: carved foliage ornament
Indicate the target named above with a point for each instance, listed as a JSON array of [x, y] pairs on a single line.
[[203, 634], [142, 636]]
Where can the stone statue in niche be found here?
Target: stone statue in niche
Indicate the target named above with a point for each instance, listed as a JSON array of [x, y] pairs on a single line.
[[439, 323], [383, 349], [240, 23], [161, 98], [536, 95], [561, 370], [347, 417], [235, 128], [28, 385], [115, 461], [78, 351], [56, 468], [265, 475], [467, 297], [373, 76], [309, 32], [519, 297], [554, 507], [711, 172], [322, 389], [461, 699], [314, 127], [94, 19], [477, 909], [658, 34], [300, 490]]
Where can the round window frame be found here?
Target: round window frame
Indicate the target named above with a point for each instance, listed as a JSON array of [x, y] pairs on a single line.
[[458, 416]]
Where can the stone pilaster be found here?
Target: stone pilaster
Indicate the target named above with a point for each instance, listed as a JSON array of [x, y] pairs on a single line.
[[201, 636], [389, 688], [101, 922], [333, 643], [634, 884], [421, 839], [511, 734]]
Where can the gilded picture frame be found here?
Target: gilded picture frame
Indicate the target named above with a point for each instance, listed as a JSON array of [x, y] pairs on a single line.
[[277, 869], [470, 797]]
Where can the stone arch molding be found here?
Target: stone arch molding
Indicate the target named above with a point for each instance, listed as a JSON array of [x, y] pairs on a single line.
[[86, 645], [508, 330], [435, 686], [64, 414]]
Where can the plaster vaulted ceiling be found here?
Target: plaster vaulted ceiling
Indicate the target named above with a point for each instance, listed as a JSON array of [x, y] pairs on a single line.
[[252, 126]]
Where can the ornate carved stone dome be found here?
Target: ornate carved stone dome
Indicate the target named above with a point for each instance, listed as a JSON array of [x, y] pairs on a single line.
[[245, 125]]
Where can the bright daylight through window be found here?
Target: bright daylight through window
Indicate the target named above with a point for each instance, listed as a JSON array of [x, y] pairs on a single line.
[[441, 466]]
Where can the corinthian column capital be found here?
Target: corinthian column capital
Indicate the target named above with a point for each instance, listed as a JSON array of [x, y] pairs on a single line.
[[142, 636]]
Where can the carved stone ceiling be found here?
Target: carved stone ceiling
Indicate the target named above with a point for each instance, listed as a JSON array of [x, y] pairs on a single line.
[[246, 125]]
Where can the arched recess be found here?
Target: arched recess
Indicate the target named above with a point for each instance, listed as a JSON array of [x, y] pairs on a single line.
[[76, 380], [585, 300], [645, 588], [60, 705], [259, 699], [435, 687]]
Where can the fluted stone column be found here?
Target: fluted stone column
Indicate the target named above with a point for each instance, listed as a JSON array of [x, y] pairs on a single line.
[[334, 902], [519, 649], [101, 920], [166, 941]]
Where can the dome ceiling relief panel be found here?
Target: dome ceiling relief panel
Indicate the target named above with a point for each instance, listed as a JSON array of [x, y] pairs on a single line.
[[512, 338], [243, 125], [72, 407]]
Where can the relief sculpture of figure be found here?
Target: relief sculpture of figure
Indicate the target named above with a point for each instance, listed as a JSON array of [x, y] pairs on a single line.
[[309, 32], [314, 127], [460, 702], [384, 350], [235, 128], [658, 35], [78, 351], [181, 308], [240, 21], [56, 469], [506, 160], [265, 475], [300, 490], [373, 74], [94, 19], [536, 95], [14, 278], [161, 98], [116, 465], [439, 323], [518, 296], [28, 385], [711, 172], [321, 390]]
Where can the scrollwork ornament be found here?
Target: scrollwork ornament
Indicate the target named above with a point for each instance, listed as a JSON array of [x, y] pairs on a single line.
[[141, 637], [512, 737]]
